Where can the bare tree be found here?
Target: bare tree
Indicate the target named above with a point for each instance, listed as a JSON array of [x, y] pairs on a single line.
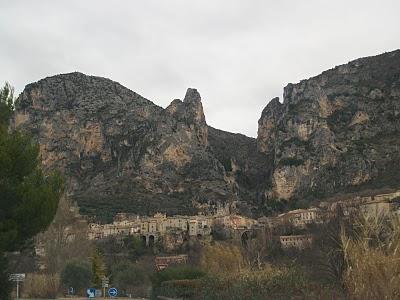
[[65, 239], [256, 248]]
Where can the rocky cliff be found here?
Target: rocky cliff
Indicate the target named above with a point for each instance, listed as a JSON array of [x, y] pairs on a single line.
[[121, 152], [338, 131]]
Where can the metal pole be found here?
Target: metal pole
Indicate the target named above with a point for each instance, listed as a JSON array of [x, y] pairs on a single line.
[[17, 289]]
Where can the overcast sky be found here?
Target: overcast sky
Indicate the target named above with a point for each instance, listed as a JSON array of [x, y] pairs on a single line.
[[238, 54]]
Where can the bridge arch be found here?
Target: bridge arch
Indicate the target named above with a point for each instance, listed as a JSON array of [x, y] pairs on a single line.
[[152, 240], [245, 237]]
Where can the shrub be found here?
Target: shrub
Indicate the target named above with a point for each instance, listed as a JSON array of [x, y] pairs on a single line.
[[269, 283], [77, 275], [291, 161], [373, 257], [176, 282], [226, 162], [41, 286], [6, 285], [307, 145], [185, 288], [127, 277], [220, 258], [220, 233], [175, 273]]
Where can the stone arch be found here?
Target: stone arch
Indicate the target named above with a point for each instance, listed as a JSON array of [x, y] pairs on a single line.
[[245, 237], [144, 240], [152, 240]]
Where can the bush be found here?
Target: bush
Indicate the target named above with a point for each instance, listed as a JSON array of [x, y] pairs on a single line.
[[135, 246], [175, 273], [41, 286], [127, 277], [298, 143], [269, 283], [220, 233], [373, 257], [175, 281], [5, 283], [291, 161], [186, 288], [226, 162], [220, 258], [77, 275]]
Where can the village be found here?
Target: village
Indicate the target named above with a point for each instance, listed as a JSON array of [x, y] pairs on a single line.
[[161, 226], [169, 240]]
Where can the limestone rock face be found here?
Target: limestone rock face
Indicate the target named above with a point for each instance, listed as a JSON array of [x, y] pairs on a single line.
[[337, 131], [121, 152]]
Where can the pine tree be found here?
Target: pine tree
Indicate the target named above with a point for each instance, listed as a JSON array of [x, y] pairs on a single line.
[[28, 197]]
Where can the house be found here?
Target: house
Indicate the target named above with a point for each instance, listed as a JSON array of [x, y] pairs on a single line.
[[296, 241], [302, 217], [199, 226], [161, 262], [376, 208]]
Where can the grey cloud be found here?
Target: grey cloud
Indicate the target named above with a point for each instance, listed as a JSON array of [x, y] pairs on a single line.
[[238, 54]]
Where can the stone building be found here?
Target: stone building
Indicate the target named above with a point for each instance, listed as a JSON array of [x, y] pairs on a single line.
[[377, 208], [199, 226], [296, 241], [234, 221], [161, 262], [152, 227], [302, 217]]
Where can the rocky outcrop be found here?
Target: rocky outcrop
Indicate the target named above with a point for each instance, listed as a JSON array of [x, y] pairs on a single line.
[[337, 131], [121, 152], [246, 169]]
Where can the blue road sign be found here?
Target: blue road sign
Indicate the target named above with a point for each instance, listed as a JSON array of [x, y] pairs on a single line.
[[113, 292], [91, 293]]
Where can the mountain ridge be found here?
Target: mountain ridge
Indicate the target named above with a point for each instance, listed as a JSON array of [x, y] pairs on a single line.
[[122, 152]]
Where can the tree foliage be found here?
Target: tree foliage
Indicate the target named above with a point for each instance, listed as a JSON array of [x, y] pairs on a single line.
[[28, 197], [6, 103], [222, 258], [176, 273], [127, 276], [98, 267], [76, 274]]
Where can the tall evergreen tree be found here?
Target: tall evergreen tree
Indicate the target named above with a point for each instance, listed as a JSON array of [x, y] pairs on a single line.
[[28, 197], [98, 267]]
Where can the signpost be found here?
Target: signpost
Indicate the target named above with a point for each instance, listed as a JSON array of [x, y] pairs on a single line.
[[105, 281], [17, 278], [112, 292]]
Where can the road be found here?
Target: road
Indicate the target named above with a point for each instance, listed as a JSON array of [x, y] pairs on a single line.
[[70, 298]]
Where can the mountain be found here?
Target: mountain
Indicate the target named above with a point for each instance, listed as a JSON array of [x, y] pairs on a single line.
[[121, 152], [336, 132]]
